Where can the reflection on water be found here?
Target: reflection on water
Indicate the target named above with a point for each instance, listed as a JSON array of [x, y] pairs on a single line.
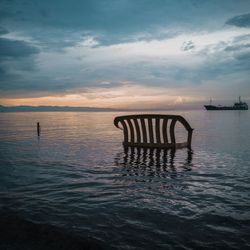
[[153, 162]]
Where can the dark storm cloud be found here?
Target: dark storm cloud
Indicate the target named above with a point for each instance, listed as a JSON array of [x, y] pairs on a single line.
[[15, 55], [13, 49], [237, 47], [240, 21], [228, 57], [16, 60], [3, 31], [244, 58], [239, 43], [113, 20]]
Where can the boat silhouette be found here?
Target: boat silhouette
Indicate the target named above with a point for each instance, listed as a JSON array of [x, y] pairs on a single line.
[[237, 106]]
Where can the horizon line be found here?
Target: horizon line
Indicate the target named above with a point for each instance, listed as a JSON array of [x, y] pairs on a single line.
[[49, 108]]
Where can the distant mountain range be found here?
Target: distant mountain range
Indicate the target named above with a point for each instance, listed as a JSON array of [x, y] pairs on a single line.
[[54, 109]]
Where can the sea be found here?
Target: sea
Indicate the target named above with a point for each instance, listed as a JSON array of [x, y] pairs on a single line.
[[76, 182]]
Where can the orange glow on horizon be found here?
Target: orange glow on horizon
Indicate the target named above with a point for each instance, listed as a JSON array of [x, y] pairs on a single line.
[[122, 102], [124, 97]]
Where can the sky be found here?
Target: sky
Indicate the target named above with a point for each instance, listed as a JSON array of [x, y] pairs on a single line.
[[124, 53]]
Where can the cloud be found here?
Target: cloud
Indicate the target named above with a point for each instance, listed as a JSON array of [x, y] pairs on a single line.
[[3, 30], [237, 47], [172, 63], [17, 64], [64, 47], [16, 56], [240, 21], [59, 23], [14, 49], [186, 46], [88, 41], [109, 84], [244, 58]]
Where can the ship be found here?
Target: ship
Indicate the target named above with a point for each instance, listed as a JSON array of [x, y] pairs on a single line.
[[237, 106]]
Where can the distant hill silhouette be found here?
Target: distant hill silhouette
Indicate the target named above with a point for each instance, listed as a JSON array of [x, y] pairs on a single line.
[[53, 109]]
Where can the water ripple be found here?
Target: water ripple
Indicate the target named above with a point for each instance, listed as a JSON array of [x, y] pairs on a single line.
[[78, 177]]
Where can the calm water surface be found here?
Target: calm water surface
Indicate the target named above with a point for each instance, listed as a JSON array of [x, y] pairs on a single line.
[[78, 177]]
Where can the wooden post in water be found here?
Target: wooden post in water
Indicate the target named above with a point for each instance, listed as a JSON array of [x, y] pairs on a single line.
[[38, 129]]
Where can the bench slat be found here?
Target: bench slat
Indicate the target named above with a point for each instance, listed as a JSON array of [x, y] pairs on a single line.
[[172, 134], [157, 130], [138, 132], [164, 130], [144, 131], [131, 130], [125, 130], [150, 130]]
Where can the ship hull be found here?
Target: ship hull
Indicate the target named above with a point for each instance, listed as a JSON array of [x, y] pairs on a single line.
[[212, 107]]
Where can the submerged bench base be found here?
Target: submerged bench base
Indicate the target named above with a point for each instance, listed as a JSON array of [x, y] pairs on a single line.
[[156, 145]]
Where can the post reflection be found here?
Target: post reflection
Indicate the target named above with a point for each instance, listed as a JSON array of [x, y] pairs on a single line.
[[153, 162]]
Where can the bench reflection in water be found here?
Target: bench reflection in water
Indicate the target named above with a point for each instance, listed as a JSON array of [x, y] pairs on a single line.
[[154, 162]]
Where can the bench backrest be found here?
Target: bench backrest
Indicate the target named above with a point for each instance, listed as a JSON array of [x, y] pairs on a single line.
[[151, 130]]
